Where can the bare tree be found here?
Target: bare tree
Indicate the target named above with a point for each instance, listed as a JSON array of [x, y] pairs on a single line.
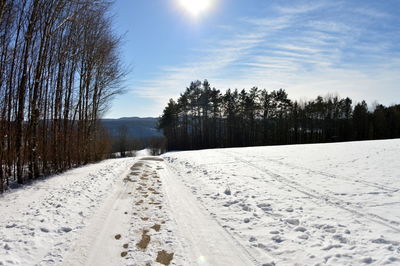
[[59, 68]]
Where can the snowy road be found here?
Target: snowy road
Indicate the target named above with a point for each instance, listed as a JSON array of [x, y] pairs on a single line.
[[205, 239], [96, 245], [109, 213], [325, 204]]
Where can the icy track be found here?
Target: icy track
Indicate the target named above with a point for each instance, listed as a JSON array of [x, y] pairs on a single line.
[[322, 204]]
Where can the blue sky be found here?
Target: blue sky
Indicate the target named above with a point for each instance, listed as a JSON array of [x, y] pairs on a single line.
[[308, 48]]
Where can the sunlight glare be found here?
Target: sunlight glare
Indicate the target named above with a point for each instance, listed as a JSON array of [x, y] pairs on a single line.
[[201, 260], [196, 7]]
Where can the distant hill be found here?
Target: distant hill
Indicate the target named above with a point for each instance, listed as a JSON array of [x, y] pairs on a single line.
[[138, 127]]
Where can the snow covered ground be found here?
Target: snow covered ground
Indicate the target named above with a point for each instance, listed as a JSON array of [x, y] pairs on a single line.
[[334, 204], [323, 204], [39, 223], [93, 215]]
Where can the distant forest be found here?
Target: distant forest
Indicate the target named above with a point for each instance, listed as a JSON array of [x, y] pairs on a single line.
[[203, 117], [59, 67]]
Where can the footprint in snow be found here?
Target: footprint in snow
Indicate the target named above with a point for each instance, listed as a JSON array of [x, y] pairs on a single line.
[[340, 238], [300, 229], [329, 229], [266, 207], [65, 229], [293, 221], [124, 254], [277, 239], [11, 225], [44, 230], [252, 239], [304, 237], [367, 260]]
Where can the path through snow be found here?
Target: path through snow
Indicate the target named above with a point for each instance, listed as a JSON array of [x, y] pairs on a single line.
[[205, 239], [331, 204]]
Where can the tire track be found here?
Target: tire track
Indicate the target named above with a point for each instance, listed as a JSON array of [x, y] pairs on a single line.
[[358, 180], [205, 235], [335, 202]]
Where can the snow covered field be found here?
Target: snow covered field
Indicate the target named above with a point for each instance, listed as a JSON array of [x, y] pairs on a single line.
[[322, 204], [335, 204]]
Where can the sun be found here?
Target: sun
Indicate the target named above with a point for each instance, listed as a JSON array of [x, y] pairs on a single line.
[[196, 7]]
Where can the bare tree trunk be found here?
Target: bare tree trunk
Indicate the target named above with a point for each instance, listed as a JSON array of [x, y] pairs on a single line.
[[22, 92], [47, 122]]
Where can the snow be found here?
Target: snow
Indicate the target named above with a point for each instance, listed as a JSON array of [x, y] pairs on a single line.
[[206, 241], [119, 225], [40, 222], [93, 215], [333, 204], [142, 153]]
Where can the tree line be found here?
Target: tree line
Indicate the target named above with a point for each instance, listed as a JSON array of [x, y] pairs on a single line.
[[204, 117], [59, 67]]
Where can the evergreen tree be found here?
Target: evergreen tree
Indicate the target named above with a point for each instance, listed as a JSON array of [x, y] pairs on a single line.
[[204, 118]]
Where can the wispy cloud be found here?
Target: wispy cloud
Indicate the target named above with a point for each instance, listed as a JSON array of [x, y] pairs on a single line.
[[304, 7], [369, 12], [210, 63], [306, 49]]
